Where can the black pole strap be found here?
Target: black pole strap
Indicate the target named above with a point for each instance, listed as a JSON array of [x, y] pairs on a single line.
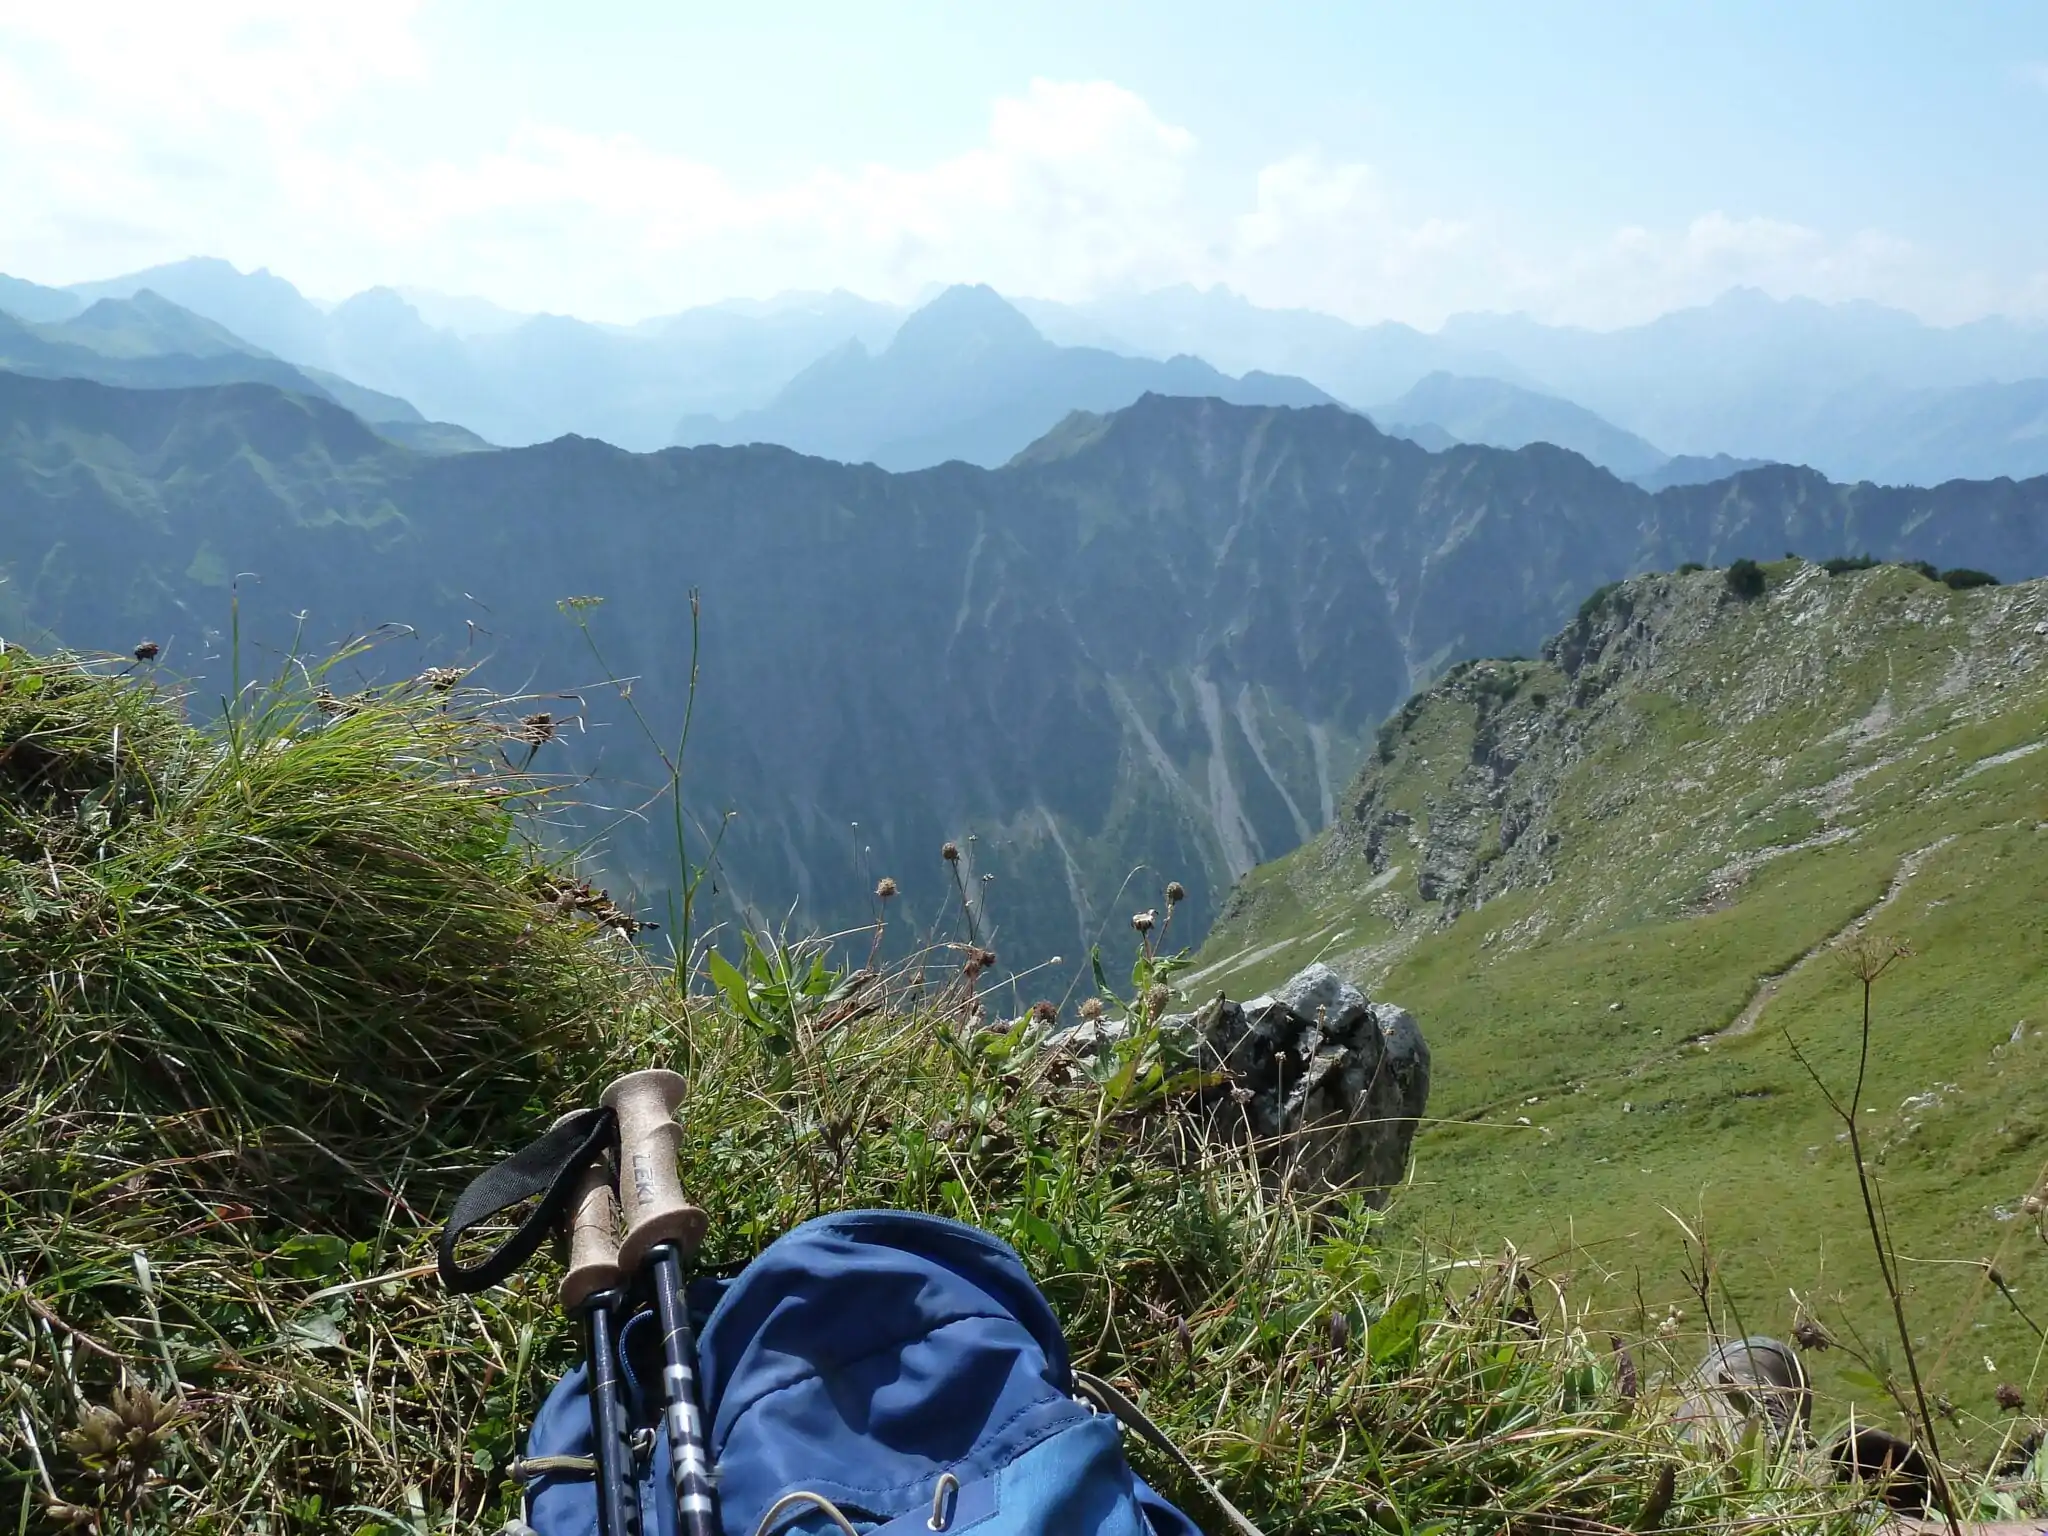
[[549, 1168]]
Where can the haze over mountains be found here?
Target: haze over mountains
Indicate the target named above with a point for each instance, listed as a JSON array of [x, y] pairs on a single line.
[[1160, 637], [968, 377], [1855, 390]]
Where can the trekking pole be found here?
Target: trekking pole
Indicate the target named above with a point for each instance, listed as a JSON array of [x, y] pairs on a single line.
[[593, 1290], [662, 1228]]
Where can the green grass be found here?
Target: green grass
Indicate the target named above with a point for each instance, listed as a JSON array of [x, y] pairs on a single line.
[[1756, 729], [233, 925], [207, 1331]]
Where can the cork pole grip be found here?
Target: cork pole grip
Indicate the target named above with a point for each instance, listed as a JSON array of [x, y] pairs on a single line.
[[593, 1239], [651, 1196]]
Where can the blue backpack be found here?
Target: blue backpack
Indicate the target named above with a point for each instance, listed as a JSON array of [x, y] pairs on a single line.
[[873, 1372]]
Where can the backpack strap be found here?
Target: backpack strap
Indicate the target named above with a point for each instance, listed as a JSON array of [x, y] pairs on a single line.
[[549, 1168], [1113, 1402]]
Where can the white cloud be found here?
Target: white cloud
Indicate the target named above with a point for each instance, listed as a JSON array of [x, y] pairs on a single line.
[[1076, 184], [257, 130]]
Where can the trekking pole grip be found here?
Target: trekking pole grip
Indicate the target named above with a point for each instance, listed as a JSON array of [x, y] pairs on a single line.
[[651, 1197], [593, 1227]]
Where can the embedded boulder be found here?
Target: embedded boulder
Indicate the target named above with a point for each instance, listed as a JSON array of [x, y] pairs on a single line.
[[1326, 1084]]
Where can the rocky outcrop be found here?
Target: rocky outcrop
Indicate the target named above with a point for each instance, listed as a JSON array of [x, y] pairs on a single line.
[[1326, 1084]]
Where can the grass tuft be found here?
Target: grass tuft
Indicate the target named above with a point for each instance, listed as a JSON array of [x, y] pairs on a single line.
[[313, 918]]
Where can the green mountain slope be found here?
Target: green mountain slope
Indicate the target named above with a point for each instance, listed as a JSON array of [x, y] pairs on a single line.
[[1610, 883], [1161, 637]]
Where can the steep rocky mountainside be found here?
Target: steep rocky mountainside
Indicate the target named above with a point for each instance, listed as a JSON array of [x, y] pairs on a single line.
[[1612, 883], [1160, 637]]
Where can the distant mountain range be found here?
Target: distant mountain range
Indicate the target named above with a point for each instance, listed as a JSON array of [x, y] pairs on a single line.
[[968, 377], [1505, 415], [513, 379], [1855, 390], [145, 341], [1161, 636]]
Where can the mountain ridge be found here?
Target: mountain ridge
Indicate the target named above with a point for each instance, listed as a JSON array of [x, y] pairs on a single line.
[[1616, 880], [1504, 415], [1163, 635], [1857, 390], [980, 382]]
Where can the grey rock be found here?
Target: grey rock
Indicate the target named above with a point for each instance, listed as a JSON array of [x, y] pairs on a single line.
[[1089, 1037], [1743, 1382], [1327, 1085], [1321, 995]]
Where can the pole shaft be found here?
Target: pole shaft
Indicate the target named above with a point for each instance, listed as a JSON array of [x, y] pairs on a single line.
[[689, 1460], [618, 1497]]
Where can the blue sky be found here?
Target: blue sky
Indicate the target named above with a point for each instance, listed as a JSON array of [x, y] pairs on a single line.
[[1594, 163]]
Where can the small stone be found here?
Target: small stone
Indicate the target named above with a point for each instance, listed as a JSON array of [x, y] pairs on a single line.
[[1614, 1007]]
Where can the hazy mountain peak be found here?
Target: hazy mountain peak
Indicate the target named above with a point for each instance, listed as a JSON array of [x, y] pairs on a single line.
[[34, 302], [967, 320], [259, 307], [461, 313], [380, 302], [145, 322], [1492, 411]]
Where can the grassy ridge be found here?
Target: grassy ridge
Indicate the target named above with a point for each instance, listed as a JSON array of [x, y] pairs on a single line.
[[211, 1325], [1705, 796]]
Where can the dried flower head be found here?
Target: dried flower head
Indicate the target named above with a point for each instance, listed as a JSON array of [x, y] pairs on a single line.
[[1045, 1012], [1157, 999], [1091, 1009], [120, 1444], [985, 958], [2010, 1398], [149, 650], [1143, 921], [1176, 893], [884, 888], [537, 729], [950, 853], [1808, 1334], [441, 679]]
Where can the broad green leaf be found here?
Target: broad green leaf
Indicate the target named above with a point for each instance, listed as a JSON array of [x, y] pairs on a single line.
[[1392, 1336]]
